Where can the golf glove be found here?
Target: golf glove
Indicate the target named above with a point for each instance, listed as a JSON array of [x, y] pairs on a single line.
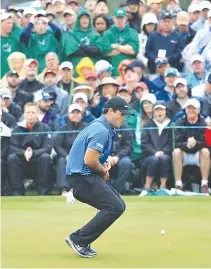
[[70, 197]]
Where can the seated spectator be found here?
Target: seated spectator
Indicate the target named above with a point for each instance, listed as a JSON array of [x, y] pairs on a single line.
[[164, 43], [138, 92], [130, 77], [101, 23], [42, 41], [103, 69], [170, 76], [45, 113], [181, 95], [149, 25], [183, 29], [156, 145], [120, 40], [198, 74], [12, 82], [58, 7], [64, 142], [193, 12], [208, 132], [162, 65], [9, 106], [174, 13], [30, 152], [51, 63], [85, 66], [9, 41], [90, 5], [84, 89], [155, 7], [204, 6], [25, 90], [146, 113], [121, 164], [70, 19], [190, 146], [61, 96], [67, 82], [206, 97], [16, 62], [135, 21], [91, 79], [85, 41], [172, 4], [27, 13], [101, 7]]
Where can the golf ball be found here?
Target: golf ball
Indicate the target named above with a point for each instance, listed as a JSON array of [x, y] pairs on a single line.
[[162, 232]]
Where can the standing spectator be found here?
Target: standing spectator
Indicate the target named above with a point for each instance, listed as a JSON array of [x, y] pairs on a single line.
[[193, 11], [58, 8], [181, 96], [73, 4], [172, 4], [101, 7], [171, 74], [204, 6], [198, 74], [183, 29], [64, 142], [90, 5], [162, 65], [9, 41], [135, 22], [42, 41], [120, 40], [156, 146], [155, 6], [30, 152], [164, 43], [29, 85], [101, 23], [70, 19], [84, 41], [67, 82], [27, 13], [191, 148]]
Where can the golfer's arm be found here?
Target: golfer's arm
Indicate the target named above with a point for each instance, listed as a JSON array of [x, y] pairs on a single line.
[[91, 160]]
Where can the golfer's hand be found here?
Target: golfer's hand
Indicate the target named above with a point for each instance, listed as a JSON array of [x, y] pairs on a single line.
[[70, 197], [106, 176], [107, 165]]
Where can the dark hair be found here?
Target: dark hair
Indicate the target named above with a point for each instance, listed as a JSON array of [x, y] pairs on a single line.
[[145, 31], [105, 110], [103, 17]]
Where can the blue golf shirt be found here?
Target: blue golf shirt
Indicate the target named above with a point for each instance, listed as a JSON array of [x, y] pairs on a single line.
[[97, 135]]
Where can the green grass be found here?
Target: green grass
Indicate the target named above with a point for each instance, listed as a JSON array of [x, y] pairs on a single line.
[[34, 228]]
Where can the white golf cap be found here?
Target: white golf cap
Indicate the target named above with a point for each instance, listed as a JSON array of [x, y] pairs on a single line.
[[66, 65], [150, 97], [73, 107], [80, 95], [149, 18], [61, 1], [5, 93], [102, 66], [69, 11], [109, 80], [197, 57], [4, 16], [193, 8], [193, 102], [159, 106], [204, 5], [29, 10], [180, 81]]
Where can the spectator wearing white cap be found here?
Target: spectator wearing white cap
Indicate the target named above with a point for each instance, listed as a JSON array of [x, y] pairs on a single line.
[[58, 9], [198, 74], [172, 4], [74, 4], [155, 6], [204, 6], [193, 11], [147, 103], [103, 69], [27, 13], [190, 148], [43, 40], [9, 41], [64, 142], [69, 20]]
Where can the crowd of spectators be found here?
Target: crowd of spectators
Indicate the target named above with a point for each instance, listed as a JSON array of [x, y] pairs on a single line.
[[61, 61]]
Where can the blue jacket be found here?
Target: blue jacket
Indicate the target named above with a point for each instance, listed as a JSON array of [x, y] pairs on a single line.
[[159, 82], [151, 86], [164, 95], [193, 80], [171, 43]]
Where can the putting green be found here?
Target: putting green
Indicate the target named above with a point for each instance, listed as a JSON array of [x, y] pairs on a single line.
[[34, 228]]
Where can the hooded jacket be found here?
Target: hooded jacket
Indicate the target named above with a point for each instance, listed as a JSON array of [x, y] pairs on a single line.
[[84, 62], [78, 44]]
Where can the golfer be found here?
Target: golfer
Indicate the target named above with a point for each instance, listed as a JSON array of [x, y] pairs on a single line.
[[87, 172]]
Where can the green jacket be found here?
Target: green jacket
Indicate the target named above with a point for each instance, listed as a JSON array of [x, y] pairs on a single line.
[[122, 37], [8, 45], [73, 39]]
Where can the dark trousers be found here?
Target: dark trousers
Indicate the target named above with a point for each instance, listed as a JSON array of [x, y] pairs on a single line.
[[61, 182], [94, 191], [40, 166], [122, 173], [158, 165]]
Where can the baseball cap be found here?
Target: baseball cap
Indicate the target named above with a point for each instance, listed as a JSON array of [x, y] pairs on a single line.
[[150, 97], [197, 57], [61, 1], [193, 8], [119, 12], [208, 78], [120, 104], [124, 88], [12, 73], [149, 18], [66, 64], [84, 87], [4, 16], [30, 61], [73, 107], [180, 81], [47, 72], [41, 13], [174, 12], [109, 80], [91, 75], [5, 93], [73, 1], [80, 95], [69, 11], [140, 85], [136, 63], [193, 102], [171, 72], [160, 104], [41, 96], [102, 66], [182, 18], [150, 2], [161, 61], [29, 10], [166, 15], [204, 5]]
